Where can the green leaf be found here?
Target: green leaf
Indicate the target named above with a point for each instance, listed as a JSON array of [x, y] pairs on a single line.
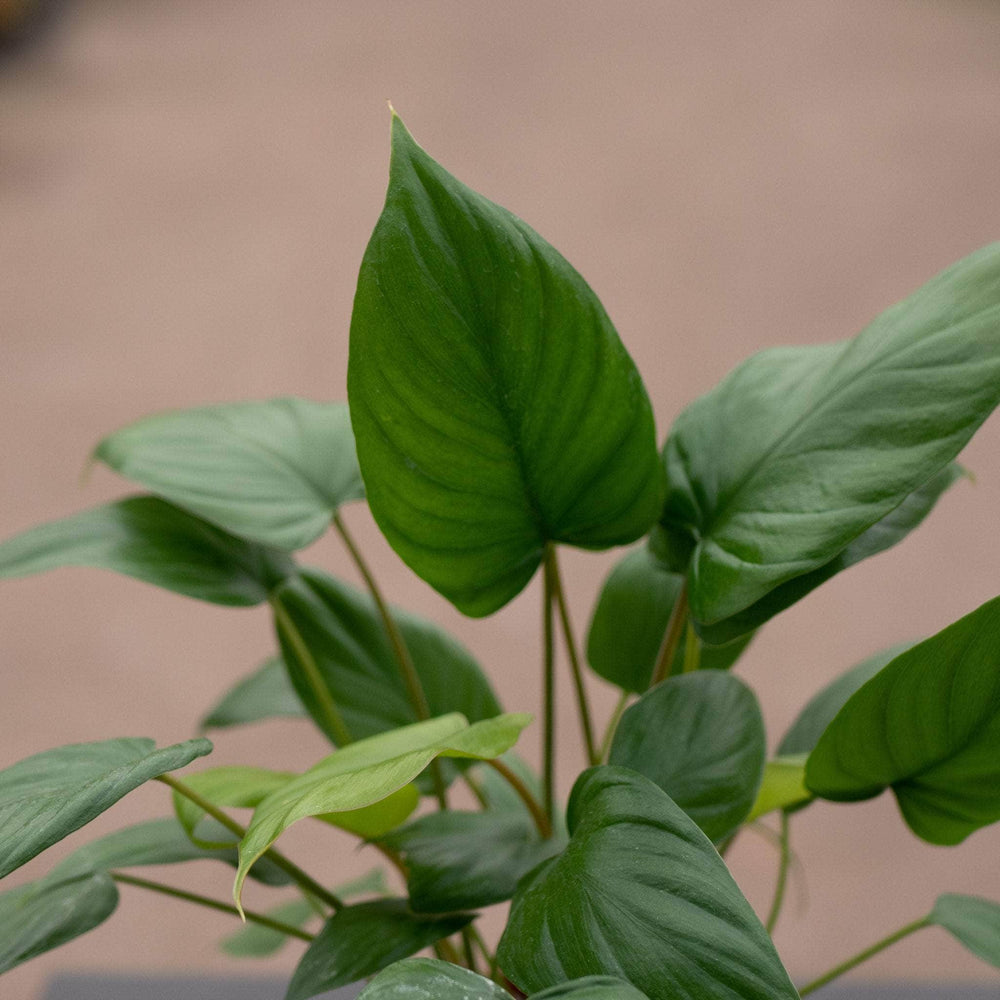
[[430, 979], [592, 988], [36, 918], [347, 640], [495, 408], [464, 860], [630, 619], [49, 795], [151, 540], [639, 893], [783, 786], [882, 535], [823, 707], [974, 922], [359, 940], [801, 450], [274, 472], [700, 737], [371, 770], [265, 694], [928, 726]]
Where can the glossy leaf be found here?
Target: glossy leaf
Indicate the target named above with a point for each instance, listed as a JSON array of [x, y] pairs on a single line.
[[370, 770], [783, 786], [49, 795], [347, 640], [928, 726], [274, 472], [360, 940], [822, 708], [700, 737], [430, 979], [801, 450], [495, 407], [631, 618], [36, 918], [973, 921], [265, 694], [151, 540], [640, 893]]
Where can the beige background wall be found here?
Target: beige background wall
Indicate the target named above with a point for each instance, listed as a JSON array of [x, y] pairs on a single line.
[[186, 189]]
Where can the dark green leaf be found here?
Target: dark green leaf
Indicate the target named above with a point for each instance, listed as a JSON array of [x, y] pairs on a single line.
[[973, 921], [700, 737], [151, 540], [359, 940], [928, 726], [631, 618], [495, 407], [46, 797], [801, 450], [823, 707], [36, 918], [639, 893], [263, 695], [274, 472], [882, 535], [347, 640], [430, 979], [592, 988]]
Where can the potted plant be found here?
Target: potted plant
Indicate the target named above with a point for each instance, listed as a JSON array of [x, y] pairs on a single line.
[[493, 416]]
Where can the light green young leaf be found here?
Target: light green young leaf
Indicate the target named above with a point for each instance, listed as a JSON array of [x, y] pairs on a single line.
[[151, 540], [973, 921], [370, 770], [783, 786], [495, 408], [274, 472], [928, 726], [801, 450], [265, 694], [49, 795], [430, 979]]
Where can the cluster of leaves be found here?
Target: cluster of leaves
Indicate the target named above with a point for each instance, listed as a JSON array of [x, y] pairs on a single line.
[[494, 415]]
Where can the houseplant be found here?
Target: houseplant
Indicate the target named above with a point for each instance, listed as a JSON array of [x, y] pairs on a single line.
[[494, 415]]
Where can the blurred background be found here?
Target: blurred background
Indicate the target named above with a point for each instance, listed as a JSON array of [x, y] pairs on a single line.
[[186, 190]]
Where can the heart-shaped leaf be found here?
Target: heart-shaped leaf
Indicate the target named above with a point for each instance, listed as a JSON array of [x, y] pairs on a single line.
[[430, 979], [928, 726], [265, 694], [640, 893], [630, 619], [36, 918], [700, 737], [359, 940], [151, 540], [346, 639], [49, 795], [973, 921], [801, 450], [495, 408], [371, 770], [274, 472]]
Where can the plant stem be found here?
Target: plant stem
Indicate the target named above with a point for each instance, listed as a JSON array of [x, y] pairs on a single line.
[[477, 792], [524, 793], [782, 882], [616, 717], [301, 879], [583, 705], [863, 956], [671, 638], [407, 669], [484, 950], [213, 904], [467, 952], [549, 697], [692, 650], [324, 699]]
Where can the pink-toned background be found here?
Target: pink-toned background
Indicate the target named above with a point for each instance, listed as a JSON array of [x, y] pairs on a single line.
[[186, 189]]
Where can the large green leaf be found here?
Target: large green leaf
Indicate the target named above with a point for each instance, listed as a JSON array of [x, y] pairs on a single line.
[[882, 535], [430, 979], [265, 694], [928, 726], [801, 450], [495, 407], [630, 619], [49, 795], [973, 921], [151, 540], [347, 640], [700, 737], [371, 770], [36, 918], [274, 472], [640, 893], [359, 940]]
